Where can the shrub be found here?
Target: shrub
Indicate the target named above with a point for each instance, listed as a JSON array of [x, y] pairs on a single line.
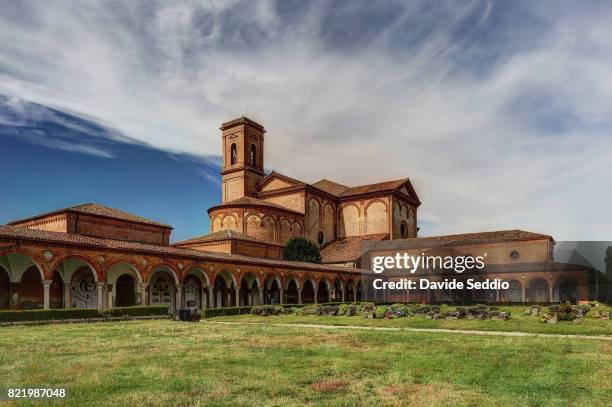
[[353, 309], [380, 312], [329, 310], [400, 310], [312, 309], [343, 309], [423, 309], [368, 310], [267, 310]]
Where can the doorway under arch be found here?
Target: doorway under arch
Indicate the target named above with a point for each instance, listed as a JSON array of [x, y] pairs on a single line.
[[125, 295]]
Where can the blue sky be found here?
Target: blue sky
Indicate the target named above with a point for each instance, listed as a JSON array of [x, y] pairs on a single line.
[[499, 112]]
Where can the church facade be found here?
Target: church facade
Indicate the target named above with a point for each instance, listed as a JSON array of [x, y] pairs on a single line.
[[92, 256]]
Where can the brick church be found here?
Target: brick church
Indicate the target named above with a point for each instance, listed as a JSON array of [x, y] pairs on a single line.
[[93, 256]]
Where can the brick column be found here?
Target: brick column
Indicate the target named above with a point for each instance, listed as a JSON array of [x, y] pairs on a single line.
[[67, 302], [46, 289]]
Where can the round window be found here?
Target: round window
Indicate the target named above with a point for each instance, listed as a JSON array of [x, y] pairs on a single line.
[[320, 238], [514, 255]]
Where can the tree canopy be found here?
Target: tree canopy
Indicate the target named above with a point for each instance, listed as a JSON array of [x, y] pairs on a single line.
[[300, 249]]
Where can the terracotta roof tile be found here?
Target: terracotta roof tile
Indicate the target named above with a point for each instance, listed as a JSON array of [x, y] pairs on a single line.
[[227, 234], [282, 176], [455, 240], [348, 248], [378, 187], [96, 210], [330, 187], [68, 239]]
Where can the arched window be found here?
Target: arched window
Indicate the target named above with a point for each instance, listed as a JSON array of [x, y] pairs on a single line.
[[253, 155], [320, 238], [403, 230], [233, 154]]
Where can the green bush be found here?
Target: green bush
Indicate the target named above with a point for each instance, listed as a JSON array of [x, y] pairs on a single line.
[[329, 310], [400, 310], [267, 310], [368, 310], [380, 312], [48, 314], [343, 309], [311, 309]]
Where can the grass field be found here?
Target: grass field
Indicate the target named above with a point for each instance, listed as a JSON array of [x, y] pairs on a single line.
[[518, 322], [172, 363]]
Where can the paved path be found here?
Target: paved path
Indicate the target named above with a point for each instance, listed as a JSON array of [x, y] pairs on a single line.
[[432, 330]]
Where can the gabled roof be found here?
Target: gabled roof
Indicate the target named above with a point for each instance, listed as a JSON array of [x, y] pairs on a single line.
[[330, 187], [456, 240], [348, 248], [227, 234], [378, 187], [96, 210], [275, 174], [250, 201]]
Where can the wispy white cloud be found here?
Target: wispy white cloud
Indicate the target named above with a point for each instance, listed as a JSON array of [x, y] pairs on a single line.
[[499, 112]]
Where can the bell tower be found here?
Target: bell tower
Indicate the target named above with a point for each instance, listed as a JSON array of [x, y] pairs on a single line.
[[243, 155]]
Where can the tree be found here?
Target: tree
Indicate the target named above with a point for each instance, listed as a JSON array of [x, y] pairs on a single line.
[[300, 249]]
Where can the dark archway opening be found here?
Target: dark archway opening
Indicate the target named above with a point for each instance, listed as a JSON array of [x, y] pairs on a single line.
[[56, 291], [308, 292], [30, 289], [350, 292], [291, 293], [224, 295], [5, 289], [125, 295], [322, 292], [272, 293], [337, 291]]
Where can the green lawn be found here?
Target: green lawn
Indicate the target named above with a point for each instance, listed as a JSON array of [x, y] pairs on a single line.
[[518, 322], [172, 363]]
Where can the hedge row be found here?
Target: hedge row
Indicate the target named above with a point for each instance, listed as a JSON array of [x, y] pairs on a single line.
[[219, 312], [229, 311], [78, 313]]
